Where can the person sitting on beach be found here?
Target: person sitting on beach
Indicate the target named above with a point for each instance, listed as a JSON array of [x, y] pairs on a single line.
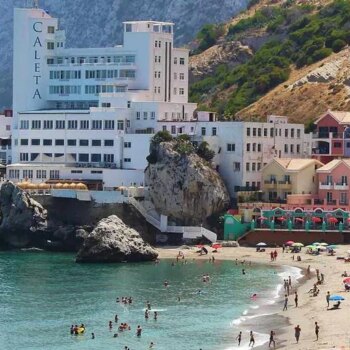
[[345, 274], [335, 306]]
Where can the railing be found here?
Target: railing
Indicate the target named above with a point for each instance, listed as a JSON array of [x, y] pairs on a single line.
[[326, 185], [341, 186], [327, 135], [270, 182], [332, 202]]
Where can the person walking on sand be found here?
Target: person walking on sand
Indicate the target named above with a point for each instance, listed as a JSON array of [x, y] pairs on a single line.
[[252, 340], [239, 338], [272, 340], [327, 299], [297, 333], [317, 329], [285, 307], [296, 299]]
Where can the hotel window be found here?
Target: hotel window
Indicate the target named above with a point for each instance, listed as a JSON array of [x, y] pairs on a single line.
[[50, 45], [271, 132], [236, 166], [158, 89], [285, 148], [285, 132], [72, 124], [153, 115], [247, 166], [254, 133], [54, 174], [159, 43], [213, 131], [36, 124], [50, 61], [127, 160], [128, 104], [254, 147], [182, 76], [120, 125], [182, 61], [175, 60], [38, 174], [158, 75], [258, 166], [291, 148], [24, 142], [128, 123], [109, 143], [265, 132], [84, 124], [24, 124], [248, 131], [127, 144], [343, 198], [47, 142], [35, 142], [138, 115], [203, 131], [83, 157], [298, 149], [23, 157], [155, 74], [253, 167], [59, 142], [83, 142], [231, 147], [96, 158], [108, 158], [60, 124], [109, 124], [145, 115], [259, 147], [97, 124], [292, 133], [173, 129], [298, 133], [164, 128], [259, 132], [181, 91], [248, 147], [71, 142], [156, 43], [48, 124], [175, 91], [96, 143]]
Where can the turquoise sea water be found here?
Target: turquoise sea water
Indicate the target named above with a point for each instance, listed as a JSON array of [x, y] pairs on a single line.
[[42, 294]]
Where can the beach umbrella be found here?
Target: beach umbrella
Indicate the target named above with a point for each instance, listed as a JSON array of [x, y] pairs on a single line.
[[298, 244], [289, 242], [346, 280], [216, 245], [261, 244], [336, 298], [316, 243], [281, 218], [316, 220], [262, 218], [332, 220], [323, 244], [299, 220], [310, 246]]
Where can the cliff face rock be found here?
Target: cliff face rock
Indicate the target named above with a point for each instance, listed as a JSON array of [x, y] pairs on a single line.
[[21, 216], [184, 187], [113, 241]]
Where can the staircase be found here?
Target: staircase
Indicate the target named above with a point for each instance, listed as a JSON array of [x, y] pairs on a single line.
[[188, 232]]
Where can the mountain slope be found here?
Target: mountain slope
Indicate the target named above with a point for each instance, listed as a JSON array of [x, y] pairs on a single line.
[[284, 37], [91, 23]]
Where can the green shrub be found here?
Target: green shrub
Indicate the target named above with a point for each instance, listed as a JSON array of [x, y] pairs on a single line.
[[205, 152], [338, 45], [161, 136]]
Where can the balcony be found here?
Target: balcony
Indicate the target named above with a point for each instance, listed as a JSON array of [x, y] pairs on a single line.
[[284, 185], [268, 184], [326, 186], [332, 202], [341, 186], [327, 135]]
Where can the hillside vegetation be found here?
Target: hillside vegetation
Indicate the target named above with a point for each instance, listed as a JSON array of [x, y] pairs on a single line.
[[298, 36]]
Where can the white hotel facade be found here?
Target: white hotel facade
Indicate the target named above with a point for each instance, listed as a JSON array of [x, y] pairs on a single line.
[[89, 114]]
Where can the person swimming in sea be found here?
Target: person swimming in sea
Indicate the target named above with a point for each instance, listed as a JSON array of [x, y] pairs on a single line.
[[71, 329], [148, 305], [116, 318], [110, 324], [166, 283], [92, 335], [155, 315], [138, 331]]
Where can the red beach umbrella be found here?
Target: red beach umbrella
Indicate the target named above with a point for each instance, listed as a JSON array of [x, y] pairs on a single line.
[[199, 245], [316, 220], [332, 220], [216, 245], [346, 280], [281, 218], [289, 242], [262, 218], [299, 219]]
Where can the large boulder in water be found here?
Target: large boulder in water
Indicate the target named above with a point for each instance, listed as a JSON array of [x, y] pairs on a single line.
[[21, 216], [113, 241], [182, 185]]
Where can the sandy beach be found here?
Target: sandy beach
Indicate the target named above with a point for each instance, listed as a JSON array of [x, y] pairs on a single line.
[[334, 325]]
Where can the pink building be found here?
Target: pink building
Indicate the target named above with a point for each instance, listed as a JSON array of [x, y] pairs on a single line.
[[331, 138]]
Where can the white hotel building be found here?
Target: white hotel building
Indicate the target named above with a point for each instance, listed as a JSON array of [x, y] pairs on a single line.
[[89, 113]]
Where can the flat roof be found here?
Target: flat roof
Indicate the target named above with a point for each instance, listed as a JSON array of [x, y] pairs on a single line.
[[57, 111], [153, 22]]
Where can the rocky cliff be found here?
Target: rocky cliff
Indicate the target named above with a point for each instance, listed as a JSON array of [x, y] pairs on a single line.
[[113, 241], [92, 23], [183, 186]]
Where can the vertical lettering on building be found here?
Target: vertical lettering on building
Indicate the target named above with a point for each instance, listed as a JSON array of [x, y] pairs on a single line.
[[37, 27]]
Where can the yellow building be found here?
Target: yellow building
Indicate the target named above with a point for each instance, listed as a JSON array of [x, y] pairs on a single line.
[[284, 176]]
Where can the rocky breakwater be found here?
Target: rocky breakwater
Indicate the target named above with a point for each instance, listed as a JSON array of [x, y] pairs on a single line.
[[22, 219], [182, 183], [113, 241]]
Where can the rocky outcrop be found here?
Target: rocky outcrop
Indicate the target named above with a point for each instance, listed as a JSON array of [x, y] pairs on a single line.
[[113, 241], [184, 186], [22, 218]]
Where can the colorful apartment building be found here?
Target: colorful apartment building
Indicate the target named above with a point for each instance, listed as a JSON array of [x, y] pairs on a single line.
[[331, 138]]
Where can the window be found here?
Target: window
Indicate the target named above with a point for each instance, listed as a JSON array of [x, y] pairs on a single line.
[[291, 148], [164, 128], [337, 145], [84, 124], [236, 166], [50, 45], [71, 142], [285, 148], [182, 61], [105, 105], [108, 158], [254, 147], [50, 61], [248, 147], [97, 124], [254, 131], [72, 124], [292, 133], [83, 142], [36, 124], [231, 147], [109, 124], [258, 166], [24, 124], [343, 198], [248, 131], [59, 142], [83, 157], [109, 143], [182, 76], [253, 167], [35, 142], [173, 129], [259, 132], [265, 132], [145, 115], [127, 144], [96, 143], [181, 91], [213, 131], [24, 142], [138, 115], [298, 133], [127, 160], [298, 149], [60, 124], [271, 132], [156, 43], [28, 174], [54, 174], [285, 132], [175, 91], [23, 157], [153, 115], [259, 147], [96, 158], [175, 60], [247, 166], [76, 171], [47, 142], [48, 124], [120, 125], [203, 131]]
